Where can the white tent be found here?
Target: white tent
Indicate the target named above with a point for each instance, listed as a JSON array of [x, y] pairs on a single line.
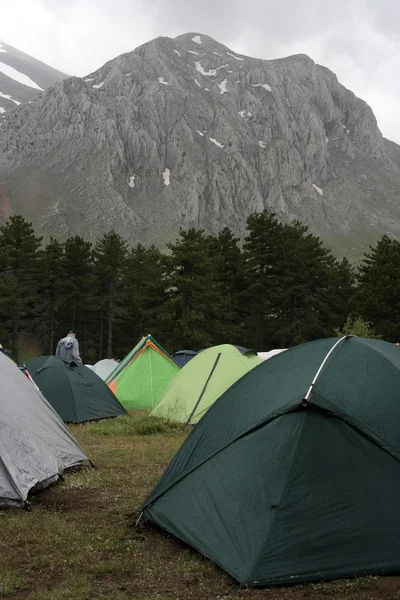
[[35, 445], [270, 354], [105, 367]]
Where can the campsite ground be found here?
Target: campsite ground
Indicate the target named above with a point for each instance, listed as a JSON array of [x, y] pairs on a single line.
[[76, 543]]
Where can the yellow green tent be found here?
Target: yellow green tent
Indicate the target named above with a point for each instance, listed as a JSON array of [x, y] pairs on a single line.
[[200, 382]]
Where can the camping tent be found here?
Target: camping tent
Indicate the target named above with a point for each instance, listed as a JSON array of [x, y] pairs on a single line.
[[294, 474], [35, 445], [103, 368], [270, 353], [182, 357], [197, 386], [74, 391], [142, 376]]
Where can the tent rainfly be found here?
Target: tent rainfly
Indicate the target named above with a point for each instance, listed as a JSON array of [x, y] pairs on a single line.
[[182, 357], [270, 353], [103, 368], [35, 445], [142, 376], [198, 385], [294, 474], [73, 390]]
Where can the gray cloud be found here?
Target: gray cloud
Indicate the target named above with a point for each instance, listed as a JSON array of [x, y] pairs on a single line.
[[358, 39]]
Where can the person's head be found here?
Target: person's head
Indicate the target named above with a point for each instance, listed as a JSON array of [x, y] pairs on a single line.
[[72, 333]]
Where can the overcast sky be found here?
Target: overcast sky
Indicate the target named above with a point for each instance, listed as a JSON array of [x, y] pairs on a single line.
[[358, 39]]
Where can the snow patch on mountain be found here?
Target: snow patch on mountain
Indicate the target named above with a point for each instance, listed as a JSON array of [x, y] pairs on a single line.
[[318, 189], [222, 87], [132, 181], [18, 76], [263, 85], [200, 69], [214, 141], [162, 80], [197, 39], [8, 97], [233, 56], [97, 86], [166, 176]]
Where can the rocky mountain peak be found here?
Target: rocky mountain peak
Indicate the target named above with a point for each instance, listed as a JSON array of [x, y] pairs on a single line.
[[186, 132], [22, 77]]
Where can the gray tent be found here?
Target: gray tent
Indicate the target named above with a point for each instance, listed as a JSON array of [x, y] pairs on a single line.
[[35, 445]]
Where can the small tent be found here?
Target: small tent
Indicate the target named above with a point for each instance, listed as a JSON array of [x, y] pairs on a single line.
[[142, 376], [103, 368], [182, 357], [294, 474], [197, 386], [73, 390], [270, 353], [35, 445]]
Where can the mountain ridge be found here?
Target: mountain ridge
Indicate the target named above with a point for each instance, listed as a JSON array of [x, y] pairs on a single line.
[[22, 77], [182, 133]]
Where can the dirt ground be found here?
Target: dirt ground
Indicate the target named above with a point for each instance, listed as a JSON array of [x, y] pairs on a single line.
[[78, 544]]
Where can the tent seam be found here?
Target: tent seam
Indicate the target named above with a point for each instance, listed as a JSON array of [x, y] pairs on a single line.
[[276, 415], [281, 496]]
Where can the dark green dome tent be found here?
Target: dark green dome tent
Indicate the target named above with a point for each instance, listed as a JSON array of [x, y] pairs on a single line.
[[73, 390], [293, 474]]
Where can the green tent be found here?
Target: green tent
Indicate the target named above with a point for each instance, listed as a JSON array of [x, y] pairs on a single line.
[[201, 381], [294, 473], [73, 390], [142, 376]]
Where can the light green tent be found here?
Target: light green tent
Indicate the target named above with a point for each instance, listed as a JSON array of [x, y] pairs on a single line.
[[142, 376], [199, 383]]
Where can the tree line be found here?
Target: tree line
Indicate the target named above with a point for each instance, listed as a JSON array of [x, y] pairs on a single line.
[[279, 288]]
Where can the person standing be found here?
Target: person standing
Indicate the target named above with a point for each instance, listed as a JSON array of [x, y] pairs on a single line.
[[68, 347]]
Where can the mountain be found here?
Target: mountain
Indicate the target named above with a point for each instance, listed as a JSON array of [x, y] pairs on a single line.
[[185, 132], [22, 77]]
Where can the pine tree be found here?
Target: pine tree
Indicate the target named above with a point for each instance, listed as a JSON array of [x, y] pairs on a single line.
[[261, 252], [76, 308], [109, 264], [227, 257], [52, 286], [310, 287], [192, 315], [143, 294], [377, 298], [19, 268]]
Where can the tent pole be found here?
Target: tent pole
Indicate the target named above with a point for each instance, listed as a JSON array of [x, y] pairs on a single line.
[[310, 389], [204, 389]]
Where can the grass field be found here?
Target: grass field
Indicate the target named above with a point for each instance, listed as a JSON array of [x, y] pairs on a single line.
[[77, 544]]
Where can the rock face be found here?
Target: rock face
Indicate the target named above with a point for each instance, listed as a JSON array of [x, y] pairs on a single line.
[[22, 78], [185, 132]]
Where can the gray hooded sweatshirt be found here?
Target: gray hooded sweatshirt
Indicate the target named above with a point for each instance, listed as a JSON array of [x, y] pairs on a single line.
[[68, 349]]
